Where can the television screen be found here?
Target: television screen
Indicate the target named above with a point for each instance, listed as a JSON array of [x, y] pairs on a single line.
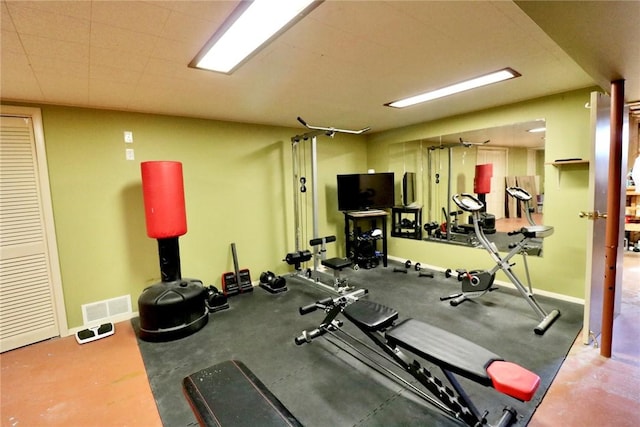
[[358, 192], [408, 188]]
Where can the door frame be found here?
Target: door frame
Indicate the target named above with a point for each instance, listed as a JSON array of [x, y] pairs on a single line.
[[595, 261], [53, 260]]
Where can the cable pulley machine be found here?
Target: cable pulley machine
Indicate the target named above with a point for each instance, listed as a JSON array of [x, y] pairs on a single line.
[[300, 187]]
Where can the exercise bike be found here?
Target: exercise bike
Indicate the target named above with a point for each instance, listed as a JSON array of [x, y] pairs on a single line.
[[478, 282], [452, 354]]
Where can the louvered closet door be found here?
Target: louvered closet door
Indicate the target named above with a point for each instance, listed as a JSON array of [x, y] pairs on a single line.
[[27, 310]]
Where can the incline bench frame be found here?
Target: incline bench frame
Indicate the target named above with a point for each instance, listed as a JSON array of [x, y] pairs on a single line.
[[454, 355]]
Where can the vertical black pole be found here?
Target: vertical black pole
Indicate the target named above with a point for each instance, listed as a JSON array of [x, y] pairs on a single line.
[[169, 253]]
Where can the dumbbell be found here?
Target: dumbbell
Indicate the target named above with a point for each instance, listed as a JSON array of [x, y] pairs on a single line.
[[399, 270], [271, 280], [215, 299], [460, 272], [425, 274]]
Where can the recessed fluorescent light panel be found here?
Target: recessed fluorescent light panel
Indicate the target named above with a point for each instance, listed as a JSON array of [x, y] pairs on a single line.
[[250, 26], [537, 130], [487, 79]]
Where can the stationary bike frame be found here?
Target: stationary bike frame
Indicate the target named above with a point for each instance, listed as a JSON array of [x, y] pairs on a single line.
[[471, 204]]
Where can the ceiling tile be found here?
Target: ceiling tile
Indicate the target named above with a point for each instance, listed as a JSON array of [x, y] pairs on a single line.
[[17, 80], [112, 37], [47, 24], [76, 9], [138, 16], [10, 42], [73, 90], [117, 59], [53, 48]]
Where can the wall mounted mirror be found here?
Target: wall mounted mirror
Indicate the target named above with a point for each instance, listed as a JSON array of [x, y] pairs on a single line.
[[482, 162]]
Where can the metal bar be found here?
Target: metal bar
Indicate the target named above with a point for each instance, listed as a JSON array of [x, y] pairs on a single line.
[[449, 195], [296, 194], [314, 186], [383, 370]]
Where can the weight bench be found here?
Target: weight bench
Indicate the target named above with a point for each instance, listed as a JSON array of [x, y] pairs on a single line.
[[336, 264], [229, 394], [452, 354]]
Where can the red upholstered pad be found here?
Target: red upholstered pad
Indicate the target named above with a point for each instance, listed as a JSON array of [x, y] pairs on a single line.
[[164, 205], [513, 380]]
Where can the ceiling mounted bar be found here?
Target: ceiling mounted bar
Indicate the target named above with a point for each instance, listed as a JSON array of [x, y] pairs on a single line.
[[462, 143], [328, 131]]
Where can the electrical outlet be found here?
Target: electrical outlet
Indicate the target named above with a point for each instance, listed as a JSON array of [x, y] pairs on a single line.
[[129, 154], [128, 136]]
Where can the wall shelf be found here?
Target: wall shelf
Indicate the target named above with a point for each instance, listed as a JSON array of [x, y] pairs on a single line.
[[569, 162]]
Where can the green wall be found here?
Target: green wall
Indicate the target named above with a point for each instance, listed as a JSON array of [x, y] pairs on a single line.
[[562, 269], [238, 188]]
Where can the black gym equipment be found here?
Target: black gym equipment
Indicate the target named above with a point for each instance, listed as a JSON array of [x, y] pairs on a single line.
[[300, 255], [453, 355], [216, 300], [236, 281], [229, 394], [336, 264], [417, 267], [176, 306], [476, 283], [272, 283], [297, 258]]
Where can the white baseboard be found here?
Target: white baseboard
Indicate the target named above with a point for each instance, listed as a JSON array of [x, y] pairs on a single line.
[[542, 292]]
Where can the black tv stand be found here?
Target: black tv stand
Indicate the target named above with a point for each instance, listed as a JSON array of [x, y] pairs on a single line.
[[357, 240], [406, 221]]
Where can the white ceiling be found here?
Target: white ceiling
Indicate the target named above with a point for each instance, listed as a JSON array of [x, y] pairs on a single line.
[[335, 67]]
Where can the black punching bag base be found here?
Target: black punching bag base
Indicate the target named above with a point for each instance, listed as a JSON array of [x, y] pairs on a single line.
[[172, 310]]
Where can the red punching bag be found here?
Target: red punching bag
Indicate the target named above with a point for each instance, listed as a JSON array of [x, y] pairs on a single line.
[[164, 205], [482, 180]]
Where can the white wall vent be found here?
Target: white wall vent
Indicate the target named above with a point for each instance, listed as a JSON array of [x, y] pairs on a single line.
[[114, 309]]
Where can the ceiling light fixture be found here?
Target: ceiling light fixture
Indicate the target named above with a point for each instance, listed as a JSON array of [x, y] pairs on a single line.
[[487, 79], [250, 26], [536, 130]]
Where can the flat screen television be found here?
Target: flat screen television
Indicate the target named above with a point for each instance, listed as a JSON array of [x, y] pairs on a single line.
[[358, 192], [408, 188]]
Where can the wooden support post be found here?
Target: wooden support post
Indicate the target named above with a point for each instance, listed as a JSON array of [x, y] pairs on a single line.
[[613, 216]]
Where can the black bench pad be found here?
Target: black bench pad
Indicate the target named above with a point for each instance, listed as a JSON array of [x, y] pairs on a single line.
[[229, 394], [336, 263], [449, 351], [370, 315]]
